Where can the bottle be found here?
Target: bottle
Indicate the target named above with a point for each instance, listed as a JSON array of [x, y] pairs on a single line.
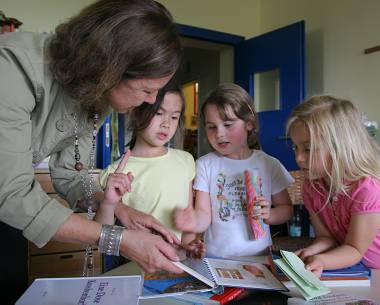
[[295, 223]]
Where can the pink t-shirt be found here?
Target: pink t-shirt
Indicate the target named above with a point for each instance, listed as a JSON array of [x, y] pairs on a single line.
[[364, 198]]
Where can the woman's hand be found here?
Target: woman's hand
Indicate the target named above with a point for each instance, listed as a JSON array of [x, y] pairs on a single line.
[[136, 220], [151, 252]]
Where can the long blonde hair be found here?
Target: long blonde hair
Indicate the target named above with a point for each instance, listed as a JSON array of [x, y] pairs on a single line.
[[336, 130]]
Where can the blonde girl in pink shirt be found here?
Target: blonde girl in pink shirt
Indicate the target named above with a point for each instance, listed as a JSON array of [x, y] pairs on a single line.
[[342, 188]]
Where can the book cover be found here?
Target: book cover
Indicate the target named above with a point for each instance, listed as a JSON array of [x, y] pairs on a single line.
[[229, 294], [231, 273], [83, 291]]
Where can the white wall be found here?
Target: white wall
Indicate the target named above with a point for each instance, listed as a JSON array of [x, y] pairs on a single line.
[[239, 17], [337, 32], [41, 15], [44, 15]]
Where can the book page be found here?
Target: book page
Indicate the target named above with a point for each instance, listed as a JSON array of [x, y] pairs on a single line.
[[243, 274], [197, 268]]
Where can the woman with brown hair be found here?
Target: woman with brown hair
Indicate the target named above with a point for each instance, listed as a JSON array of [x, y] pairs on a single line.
[[55, 90]]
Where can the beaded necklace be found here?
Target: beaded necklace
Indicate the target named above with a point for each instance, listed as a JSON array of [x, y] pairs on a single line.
[[88, 267]]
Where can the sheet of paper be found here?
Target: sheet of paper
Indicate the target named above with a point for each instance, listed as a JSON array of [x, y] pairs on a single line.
[[299, 267], [307, 289]]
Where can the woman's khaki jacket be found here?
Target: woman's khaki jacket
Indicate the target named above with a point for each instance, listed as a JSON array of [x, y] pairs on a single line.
[[36, 121]]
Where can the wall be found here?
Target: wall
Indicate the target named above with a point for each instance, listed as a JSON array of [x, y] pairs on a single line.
[[44, 15], [217, 14], [41, 15], [337, 32]]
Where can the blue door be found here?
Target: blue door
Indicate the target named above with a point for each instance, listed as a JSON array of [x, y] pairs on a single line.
[[282, 50]]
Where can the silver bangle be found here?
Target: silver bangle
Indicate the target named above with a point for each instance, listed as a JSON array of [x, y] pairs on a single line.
[[110, 239]]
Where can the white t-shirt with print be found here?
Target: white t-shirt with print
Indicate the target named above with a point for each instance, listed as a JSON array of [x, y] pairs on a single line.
[[223, 179]]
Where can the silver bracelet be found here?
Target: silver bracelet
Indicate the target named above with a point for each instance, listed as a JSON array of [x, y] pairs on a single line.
[[110, 239]]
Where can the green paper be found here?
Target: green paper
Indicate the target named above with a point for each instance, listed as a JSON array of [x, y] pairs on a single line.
[[306, 281]]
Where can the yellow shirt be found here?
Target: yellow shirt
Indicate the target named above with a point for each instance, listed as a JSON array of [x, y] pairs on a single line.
[[160, 184]]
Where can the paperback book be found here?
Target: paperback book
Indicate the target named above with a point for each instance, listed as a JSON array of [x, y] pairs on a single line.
[[217, 273], [83, 291]]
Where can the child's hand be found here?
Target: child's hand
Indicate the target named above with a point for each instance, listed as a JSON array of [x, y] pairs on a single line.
[[264, 211], [314, 264], [118, 183], [195, 249], [304, 253], [185, 219]]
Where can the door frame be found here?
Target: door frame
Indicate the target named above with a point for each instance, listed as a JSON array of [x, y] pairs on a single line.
[[209, 35]]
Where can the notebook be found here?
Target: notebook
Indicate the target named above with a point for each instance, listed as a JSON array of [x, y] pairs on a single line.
[[216, 272]]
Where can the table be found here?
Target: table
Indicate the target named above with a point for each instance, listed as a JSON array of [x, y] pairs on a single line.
[[372, 291]]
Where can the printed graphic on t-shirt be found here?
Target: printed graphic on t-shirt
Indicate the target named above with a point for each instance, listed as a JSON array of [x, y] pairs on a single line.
[[231, 197]]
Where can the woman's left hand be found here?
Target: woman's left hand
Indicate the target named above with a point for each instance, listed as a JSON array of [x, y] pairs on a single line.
[[136, 220]]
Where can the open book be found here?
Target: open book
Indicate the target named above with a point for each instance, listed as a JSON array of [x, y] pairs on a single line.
[[306, 281], [217, 272]]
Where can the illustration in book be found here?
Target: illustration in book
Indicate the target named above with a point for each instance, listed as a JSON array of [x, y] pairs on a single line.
[[163, 284]]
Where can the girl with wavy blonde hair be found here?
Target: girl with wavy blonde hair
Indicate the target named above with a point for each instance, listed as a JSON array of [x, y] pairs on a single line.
[[342, 186]]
